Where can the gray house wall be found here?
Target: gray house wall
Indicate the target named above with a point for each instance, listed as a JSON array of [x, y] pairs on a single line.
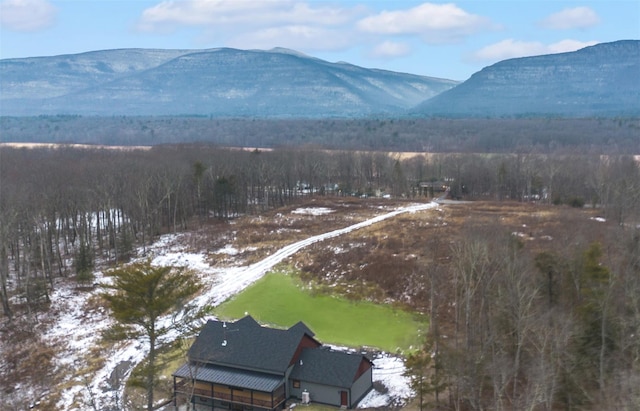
[[361, 387], [289, 391], [323, 394], [295, 392]]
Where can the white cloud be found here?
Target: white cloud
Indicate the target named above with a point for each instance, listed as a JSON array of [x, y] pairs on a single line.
[[297, 37], [389, 49], [310, 26], [569, 45], [436, 23], [262, 24], [573, 18], [27, 15], [229, 13], [510, 48]]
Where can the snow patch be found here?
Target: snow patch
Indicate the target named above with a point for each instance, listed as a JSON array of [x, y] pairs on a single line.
[[313, 211], [228, 249], [388, 370], [73, 331], [194, 262]]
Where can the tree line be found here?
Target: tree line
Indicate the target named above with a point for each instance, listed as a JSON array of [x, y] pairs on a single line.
[[63, 208], [463, 135]]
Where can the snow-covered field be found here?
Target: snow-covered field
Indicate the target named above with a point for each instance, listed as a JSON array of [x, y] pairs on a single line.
[[78, 326]]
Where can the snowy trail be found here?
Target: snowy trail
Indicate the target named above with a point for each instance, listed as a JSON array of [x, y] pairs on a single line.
[[242, 278], [228, 282]]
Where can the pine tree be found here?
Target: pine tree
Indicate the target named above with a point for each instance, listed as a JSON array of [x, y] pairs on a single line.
[[84, 264], [140, 296], [425, 373], [597, 341], [124, 245]]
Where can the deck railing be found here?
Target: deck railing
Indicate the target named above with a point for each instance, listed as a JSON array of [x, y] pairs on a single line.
[[186, 389]]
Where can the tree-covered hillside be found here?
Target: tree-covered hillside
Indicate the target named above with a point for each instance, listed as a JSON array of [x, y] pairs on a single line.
[[613, 136]]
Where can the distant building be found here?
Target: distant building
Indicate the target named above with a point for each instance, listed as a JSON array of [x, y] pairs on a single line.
[[244, 366], [434, 186]]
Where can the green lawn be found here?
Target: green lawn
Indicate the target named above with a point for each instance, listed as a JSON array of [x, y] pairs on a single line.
[[279, 300]]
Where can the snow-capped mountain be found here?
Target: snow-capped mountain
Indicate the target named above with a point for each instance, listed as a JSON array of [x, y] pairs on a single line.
[[601, 80], [215, 82]]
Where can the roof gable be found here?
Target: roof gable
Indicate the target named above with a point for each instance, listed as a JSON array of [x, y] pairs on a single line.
[[328, 367], [301, 327], [246, 344]]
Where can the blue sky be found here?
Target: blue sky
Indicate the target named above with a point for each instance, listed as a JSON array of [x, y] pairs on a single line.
[[440, 39]]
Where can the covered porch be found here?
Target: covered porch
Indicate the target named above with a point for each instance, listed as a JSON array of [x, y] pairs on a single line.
[[214, 387]]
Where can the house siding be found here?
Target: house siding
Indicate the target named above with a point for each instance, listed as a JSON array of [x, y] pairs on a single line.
[[364, 366], [323, 394], [289, 384], [295, 392], [361, 387], [305, 342], [330, 395]]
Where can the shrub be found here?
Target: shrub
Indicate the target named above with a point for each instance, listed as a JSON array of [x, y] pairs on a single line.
[[576, 202]]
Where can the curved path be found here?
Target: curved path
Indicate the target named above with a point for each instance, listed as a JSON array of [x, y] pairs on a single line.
[[228, 282]]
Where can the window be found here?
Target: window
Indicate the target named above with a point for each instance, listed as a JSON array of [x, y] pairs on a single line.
[[296, 383]]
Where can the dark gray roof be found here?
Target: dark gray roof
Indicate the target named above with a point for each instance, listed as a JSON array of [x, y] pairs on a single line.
[[246, 344], [301, 327], [231, 377], [327, 367]]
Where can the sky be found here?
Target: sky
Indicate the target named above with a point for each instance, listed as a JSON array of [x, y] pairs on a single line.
[[449, 40]]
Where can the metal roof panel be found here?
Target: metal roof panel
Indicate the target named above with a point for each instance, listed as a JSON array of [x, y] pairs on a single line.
[[231, 377]]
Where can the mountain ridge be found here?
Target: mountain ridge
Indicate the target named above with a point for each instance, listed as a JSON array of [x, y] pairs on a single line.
[[599, 80], [602, 79], [217, 82]]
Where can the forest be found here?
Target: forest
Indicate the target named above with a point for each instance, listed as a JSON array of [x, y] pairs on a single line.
[[451, 135], [65, 209]]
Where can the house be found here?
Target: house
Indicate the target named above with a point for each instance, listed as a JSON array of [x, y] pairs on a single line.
[[244, 366]]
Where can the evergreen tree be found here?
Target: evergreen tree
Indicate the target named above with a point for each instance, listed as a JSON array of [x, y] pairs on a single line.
[[399, 182], [598, 326], [547, 263], [84, 264], [139, 296], [125, 245], [425, 373]]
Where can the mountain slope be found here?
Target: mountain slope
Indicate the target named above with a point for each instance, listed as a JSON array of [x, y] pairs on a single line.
[[43, 77], [599, 80], [218, 82]]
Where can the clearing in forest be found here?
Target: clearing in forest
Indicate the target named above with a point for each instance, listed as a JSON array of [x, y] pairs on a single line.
[[281, 300]]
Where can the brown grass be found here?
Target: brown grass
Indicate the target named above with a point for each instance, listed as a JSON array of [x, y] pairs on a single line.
[[387, 261]]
